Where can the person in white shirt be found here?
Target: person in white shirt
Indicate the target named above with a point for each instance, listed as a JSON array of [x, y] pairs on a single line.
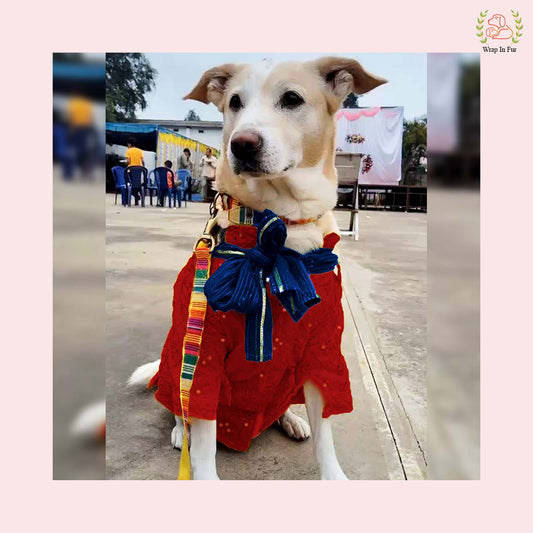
[[209, 165], [186, 163]]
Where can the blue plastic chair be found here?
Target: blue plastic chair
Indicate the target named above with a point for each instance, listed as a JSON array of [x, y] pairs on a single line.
[[185, 177], [136, 177], [63, 150], [60, 141], [120, 184], [163, 190], [151, 186]]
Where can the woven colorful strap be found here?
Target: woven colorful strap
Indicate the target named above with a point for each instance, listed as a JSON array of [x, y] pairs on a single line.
[[242, 216], [239, 214], [191, 346]]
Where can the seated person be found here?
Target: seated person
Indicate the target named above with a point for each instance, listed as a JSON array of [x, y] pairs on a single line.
[[173, 186]]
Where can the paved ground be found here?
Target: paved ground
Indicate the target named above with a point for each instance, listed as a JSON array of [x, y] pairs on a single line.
[[79, 323], [384, 345]]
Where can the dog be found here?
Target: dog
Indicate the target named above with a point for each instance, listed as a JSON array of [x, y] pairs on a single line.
[[278, 157], [498, 28]]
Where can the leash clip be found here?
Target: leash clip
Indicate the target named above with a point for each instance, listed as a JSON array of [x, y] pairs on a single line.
[[207, 239]]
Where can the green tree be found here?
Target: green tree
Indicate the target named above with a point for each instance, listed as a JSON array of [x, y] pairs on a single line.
[[469, 107], [414, 144], [192, 115], [128, 78]]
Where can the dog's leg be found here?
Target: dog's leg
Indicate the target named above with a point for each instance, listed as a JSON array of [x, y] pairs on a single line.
[[176, 437], [295, 426], [203, 449], [321, 435]]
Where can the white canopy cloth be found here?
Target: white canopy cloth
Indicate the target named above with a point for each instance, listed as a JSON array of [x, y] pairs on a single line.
[[382, 129], [444, 75]]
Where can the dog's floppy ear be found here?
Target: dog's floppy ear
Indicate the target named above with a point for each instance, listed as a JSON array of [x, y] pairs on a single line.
[[212, 85], [344, 76]]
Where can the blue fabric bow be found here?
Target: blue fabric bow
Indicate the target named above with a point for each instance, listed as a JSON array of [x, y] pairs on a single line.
[[239, 283]]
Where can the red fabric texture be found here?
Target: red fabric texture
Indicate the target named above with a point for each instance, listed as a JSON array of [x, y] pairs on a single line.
[[245, 397]]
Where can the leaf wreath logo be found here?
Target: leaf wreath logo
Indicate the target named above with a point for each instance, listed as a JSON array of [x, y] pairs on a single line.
[[497, 27], [479, 26], [518, 26]]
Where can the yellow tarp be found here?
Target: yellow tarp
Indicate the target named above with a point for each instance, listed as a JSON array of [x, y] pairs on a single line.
[[170, 147]]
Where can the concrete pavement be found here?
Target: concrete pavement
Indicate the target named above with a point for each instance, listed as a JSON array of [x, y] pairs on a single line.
[[384, 346]]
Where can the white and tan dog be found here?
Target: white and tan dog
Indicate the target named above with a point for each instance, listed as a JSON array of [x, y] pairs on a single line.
[[278, 154]]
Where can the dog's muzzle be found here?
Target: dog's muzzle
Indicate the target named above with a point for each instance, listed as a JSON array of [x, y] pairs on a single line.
[[246, 148]]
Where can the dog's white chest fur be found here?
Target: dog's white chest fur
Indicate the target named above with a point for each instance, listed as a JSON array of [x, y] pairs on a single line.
[[302, 194]]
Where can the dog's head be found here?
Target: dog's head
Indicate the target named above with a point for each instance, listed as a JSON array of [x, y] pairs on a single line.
[[497, 20], [280, 117]]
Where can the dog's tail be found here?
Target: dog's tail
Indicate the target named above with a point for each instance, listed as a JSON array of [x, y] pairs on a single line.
[[90, 422], [143, 374]]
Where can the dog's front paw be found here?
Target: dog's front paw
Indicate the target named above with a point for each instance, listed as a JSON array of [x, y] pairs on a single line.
[[176, 437], [206, 476], [295, 427]]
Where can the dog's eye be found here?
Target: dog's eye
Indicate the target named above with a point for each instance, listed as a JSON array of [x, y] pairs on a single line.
[[290, 100], [235, 102]]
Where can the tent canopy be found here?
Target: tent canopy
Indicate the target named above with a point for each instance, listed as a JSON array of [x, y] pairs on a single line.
[[165, 143], [145, 135]]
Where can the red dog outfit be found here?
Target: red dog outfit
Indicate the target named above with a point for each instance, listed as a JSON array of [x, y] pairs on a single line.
[[246, 397]]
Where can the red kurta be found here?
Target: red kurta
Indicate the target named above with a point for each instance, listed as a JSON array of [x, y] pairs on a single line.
[[245, 397]]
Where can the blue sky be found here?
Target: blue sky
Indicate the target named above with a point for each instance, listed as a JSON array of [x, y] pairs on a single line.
[[178, 73]]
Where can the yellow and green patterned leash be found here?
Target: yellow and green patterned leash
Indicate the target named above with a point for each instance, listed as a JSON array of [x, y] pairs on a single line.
[[193, 338]]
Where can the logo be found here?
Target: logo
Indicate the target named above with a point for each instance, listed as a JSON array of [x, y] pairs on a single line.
[[499, 30]]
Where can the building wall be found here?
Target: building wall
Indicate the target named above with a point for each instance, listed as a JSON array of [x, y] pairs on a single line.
[[209, 136]]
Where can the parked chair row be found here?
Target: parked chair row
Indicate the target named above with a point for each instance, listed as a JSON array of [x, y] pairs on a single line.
[[136, 181]]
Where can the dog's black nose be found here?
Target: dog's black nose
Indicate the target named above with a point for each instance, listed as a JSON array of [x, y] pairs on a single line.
[[245, 145]]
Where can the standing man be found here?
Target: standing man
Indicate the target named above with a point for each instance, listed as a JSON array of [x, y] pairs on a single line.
[[81, 136], [185, 163], [134, 155], [209, 164]]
